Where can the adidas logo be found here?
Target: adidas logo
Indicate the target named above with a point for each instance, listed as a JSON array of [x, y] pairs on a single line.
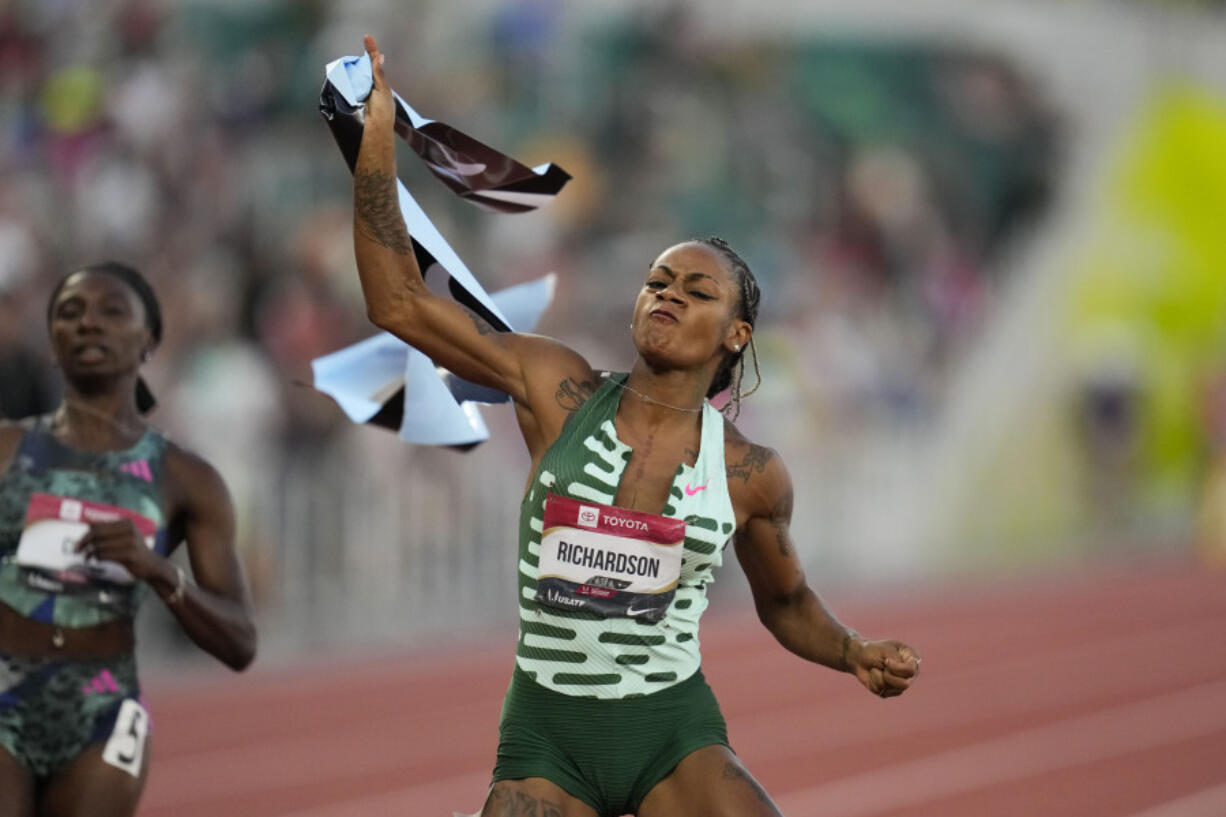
[[138, 469]]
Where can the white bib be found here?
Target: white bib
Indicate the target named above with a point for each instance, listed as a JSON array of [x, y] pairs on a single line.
[[54, 525], [608, 560]]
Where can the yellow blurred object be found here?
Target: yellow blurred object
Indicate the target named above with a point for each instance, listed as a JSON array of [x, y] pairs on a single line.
[[1156, 266], [71, 100], [1107, 445], [577, 204]]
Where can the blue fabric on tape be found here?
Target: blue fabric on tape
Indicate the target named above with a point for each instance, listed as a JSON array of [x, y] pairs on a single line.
[[352, 78], [438, 407], [360, 378]]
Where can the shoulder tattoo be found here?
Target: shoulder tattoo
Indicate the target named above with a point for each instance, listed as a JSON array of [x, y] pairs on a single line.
[[572, 393], [377, 207], [754, 462]]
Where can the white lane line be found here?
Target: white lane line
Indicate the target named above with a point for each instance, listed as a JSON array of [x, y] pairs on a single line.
[[1147, 724], [1209, 802], [185, 777]]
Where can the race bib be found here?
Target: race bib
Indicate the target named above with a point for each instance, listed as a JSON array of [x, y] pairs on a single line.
[[54, 525], [125, 748], [607, 560]]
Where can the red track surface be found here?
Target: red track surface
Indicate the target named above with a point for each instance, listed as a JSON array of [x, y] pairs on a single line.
[[1096, 694]]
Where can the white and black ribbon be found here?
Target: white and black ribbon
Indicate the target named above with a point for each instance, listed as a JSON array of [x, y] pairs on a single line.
[[425, 403]]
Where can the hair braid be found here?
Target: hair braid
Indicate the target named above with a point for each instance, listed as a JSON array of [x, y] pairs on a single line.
[[731, 369]]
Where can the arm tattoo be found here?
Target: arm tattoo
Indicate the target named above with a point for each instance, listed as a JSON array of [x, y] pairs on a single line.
[[483, 326], [378, 211], [754, 462], [781, 538], [574, 393], [781, 514]]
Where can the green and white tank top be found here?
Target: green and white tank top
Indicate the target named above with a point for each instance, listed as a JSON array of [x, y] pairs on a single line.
[[579, 652]]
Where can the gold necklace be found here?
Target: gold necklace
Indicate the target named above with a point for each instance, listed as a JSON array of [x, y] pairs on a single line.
[[118, 425], [650, 399]]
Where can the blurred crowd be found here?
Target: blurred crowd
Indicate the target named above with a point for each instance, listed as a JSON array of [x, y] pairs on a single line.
[[873, 187]]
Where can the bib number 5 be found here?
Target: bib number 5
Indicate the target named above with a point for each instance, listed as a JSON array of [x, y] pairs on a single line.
[[125, 749]]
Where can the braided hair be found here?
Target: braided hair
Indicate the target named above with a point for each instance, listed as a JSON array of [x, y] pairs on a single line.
[[145, 400], [732, 367]]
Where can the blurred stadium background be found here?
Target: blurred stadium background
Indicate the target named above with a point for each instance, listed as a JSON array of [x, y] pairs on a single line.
[[989, 235]]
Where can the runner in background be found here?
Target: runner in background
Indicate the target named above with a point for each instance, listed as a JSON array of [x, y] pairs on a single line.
[[93, 501], [637, 484]]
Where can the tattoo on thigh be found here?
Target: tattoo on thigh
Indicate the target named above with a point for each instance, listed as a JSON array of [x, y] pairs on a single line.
[[733, 771], [505, 803]]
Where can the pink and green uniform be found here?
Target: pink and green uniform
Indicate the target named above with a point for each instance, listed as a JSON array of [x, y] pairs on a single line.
[[51, 710]]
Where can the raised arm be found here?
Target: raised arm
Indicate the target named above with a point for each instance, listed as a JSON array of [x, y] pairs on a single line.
[[786, 605], [530, 368]]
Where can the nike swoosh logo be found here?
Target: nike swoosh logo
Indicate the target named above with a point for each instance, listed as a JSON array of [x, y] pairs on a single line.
[[691, 491]]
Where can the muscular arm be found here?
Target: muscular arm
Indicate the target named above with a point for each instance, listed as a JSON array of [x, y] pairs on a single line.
[[215, 610], [786, 605], [396, 296], [541, 375]]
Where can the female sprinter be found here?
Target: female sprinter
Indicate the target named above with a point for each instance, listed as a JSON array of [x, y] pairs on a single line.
[[637, 483], [92, 502]]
